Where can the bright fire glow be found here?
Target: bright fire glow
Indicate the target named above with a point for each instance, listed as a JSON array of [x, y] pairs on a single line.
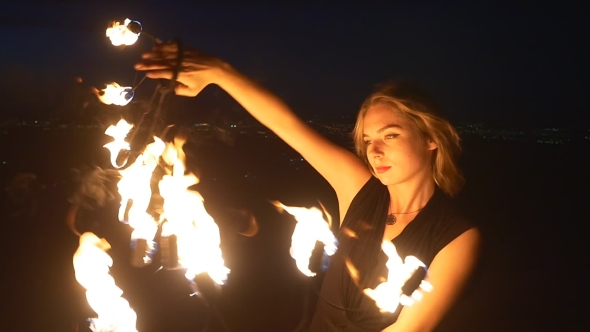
[[183, 212], [348, 232], [185, 216], [135, 188], [92, 263], [388, 295], [121, 35], [114, 94], [118, 133], [310, 228]]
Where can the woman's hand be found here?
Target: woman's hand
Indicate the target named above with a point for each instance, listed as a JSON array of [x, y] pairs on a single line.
[[196, 71]]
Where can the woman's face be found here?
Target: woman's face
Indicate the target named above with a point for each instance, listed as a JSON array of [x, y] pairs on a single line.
[[395, 150]]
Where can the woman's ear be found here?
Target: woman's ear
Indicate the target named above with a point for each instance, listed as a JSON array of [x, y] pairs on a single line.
[[432, 145]]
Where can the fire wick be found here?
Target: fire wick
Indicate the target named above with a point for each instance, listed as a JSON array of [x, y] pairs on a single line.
[[152, 37], [136, 28], [138, 84]]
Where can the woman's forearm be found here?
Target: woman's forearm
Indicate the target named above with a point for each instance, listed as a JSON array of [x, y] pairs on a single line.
[[267, 108], [262, 104]]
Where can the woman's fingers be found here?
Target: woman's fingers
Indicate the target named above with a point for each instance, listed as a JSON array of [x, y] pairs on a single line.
[[164, 51], [148, 55], [155, 64], [193, 72], [166, 47], [160, 73], [180, 88], [148, 66], [155, 55], [183, 90]]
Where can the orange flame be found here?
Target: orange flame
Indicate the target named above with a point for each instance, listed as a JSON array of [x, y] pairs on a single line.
[[310, 228], [91, 264], [352, 270], [183, 213], [114, 94], [349, 232], [135, 186], [120, 34], [388, 294], [185, 216], [118, 133]]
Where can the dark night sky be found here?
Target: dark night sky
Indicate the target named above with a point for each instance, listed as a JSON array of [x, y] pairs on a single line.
[[503, 63]]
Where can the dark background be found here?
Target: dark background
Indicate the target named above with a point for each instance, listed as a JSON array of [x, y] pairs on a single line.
[[519, 63], [514, 66]]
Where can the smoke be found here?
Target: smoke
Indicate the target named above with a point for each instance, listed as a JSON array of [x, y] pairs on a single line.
[[22, 194], [92, 188]]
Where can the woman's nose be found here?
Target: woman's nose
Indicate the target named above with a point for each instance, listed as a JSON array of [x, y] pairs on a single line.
[[375, 149]]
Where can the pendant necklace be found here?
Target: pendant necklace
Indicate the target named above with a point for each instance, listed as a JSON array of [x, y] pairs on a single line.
[[392, 219]]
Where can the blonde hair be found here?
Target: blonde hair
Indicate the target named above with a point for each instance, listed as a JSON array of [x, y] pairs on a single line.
[[413, 104]]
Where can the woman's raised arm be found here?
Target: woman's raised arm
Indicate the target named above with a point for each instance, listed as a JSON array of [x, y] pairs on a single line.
[[342, 169]]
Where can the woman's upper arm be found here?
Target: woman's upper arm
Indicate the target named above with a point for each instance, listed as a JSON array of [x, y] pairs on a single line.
[[343, 170], [448, 273]]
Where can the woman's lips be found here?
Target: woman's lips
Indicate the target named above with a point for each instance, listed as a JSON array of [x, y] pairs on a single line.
[[382, 169]]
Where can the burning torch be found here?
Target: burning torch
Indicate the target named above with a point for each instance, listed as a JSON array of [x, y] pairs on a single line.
[[135, 201]]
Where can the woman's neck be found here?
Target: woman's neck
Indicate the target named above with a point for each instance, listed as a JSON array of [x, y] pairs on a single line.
[[410, 196]]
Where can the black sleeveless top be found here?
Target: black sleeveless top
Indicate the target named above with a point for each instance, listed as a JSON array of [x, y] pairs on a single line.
[[342, 305]]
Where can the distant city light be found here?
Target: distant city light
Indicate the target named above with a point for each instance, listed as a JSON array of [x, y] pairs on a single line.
[[341, 131]]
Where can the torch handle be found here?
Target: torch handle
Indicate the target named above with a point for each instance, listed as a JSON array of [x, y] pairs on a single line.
[[169, 252], [141, 253], [169, 85]]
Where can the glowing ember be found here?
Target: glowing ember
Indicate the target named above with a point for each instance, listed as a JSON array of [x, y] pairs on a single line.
[[388, 295], [122, 34], [114, 94], [119, 133], [348, 232], [352, 270], [135, 187], [92, 263], [185, 216], [310, 228]]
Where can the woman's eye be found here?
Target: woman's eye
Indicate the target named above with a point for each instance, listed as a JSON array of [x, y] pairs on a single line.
[[367, 142], [391, 136]]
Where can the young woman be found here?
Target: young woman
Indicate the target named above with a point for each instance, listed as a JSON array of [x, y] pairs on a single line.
[[398, 189]]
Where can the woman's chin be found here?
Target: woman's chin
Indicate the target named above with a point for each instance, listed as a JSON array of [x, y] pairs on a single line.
[[386, 180]]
